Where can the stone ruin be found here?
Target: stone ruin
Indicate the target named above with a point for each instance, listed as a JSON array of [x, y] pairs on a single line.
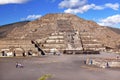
[[104, 62], [58, 33]]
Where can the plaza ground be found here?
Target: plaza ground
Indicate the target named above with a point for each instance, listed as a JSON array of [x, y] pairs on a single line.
[[64, 67]]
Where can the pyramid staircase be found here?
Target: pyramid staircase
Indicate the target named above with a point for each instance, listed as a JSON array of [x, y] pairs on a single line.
[[54, 42]]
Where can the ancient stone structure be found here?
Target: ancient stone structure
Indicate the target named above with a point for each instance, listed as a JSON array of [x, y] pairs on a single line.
[[59, 32], [19, 47], [90, 42], [104, 62]]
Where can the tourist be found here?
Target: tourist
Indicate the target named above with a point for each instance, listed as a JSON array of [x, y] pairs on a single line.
[[16, 64], [54, 53], [117, 57], [19, 65], [91, 61], [84, 61], [107, 65]]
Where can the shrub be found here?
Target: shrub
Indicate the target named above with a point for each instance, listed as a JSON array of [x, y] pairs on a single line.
[[45, 77]]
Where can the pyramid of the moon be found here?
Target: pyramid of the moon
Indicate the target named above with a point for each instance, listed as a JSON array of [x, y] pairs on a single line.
[[56, 33]]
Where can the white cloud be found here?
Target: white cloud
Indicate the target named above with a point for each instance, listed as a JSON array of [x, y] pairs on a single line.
[[98, 7], [113, 6], [78, 10], [72, 3], [110, 21], [84, 8], [2, 2], [31, 17], [81, 6]]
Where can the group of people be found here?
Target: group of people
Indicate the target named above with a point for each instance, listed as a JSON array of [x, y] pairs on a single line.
[[19, 65], [54, 53]]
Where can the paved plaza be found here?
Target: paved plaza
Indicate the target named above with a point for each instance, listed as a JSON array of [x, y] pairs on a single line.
[[64, 67]]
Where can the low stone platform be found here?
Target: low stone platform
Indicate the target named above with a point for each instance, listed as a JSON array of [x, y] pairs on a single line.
[[104, 62], [80, 52]]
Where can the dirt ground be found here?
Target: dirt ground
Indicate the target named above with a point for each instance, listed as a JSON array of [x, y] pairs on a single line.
[[64, 67]]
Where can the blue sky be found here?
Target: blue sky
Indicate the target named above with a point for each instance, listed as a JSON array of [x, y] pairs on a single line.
[[104, 12]]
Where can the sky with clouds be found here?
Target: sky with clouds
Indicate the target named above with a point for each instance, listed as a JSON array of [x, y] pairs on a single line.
[[104, 12]]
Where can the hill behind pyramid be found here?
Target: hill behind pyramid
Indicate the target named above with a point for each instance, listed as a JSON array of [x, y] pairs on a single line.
[[71, 28], [6, 29]]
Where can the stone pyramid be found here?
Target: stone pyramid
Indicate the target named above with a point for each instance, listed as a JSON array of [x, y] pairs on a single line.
[[59, 32]]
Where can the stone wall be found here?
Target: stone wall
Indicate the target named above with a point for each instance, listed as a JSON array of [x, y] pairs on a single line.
[[104, 62], [12, 45]]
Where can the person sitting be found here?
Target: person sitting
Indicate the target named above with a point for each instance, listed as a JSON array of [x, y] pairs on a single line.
[[16, 64], [19, 65]]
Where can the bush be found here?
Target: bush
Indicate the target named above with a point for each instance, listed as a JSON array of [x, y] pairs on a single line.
[[45, 77]]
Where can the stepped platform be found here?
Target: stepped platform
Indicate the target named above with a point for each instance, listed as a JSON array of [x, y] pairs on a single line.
[[17, 47], [80, 52], [89, 42], [104, 62]]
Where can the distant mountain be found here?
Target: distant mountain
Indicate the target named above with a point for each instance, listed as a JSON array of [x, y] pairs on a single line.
[[117, 30], [6, 29]]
